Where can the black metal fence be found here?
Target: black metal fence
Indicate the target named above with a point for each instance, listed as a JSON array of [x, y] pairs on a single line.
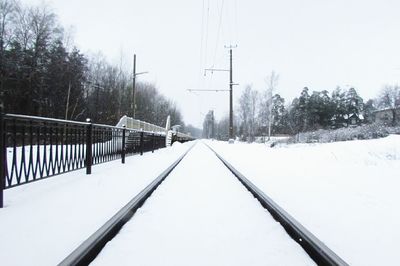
[[34, 148]]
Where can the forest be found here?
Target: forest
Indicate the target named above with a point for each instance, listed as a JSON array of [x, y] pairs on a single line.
[[259, 111], [43, 73]]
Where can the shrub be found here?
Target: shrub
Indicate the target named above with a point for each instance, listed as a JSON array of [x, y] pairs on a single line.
[[371, 131]]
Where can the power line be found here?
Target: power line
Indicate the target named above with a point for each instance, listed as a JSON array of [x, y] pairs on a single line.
[[215, 90], [207, 23], [201, 38], [218, 32], [236, 21]]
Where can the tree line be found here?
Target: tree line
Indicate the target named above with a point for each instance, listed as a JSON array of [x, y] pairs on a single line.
[[260, 113], [43, 74]]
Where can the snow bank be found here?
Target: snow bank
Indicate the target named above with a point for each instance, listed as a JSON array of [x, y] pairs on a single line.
[[346, 193]]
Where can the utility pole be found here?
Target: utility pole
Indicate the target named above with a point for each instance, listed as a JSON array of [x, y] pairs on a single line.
[[230, 47], [230, 96], [66, 108], [133, 104], [96, 85]]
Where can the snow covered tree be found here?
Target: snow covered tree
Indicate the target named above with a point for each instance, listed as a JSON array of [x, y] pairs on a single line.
[[369, 109], [279, 114], [295, 123], [354, 103], [303, 109], [339, 108]]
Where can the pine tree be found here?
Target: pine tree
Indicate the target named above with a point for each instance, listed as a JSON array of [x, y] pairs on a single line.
[[278, 114], [338, 108], [354, 105]]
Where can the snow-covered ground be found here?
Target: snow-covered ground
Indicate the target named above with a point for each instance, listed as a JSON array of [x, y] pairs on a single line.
[[346, 193], [43, 222], [202, 215]]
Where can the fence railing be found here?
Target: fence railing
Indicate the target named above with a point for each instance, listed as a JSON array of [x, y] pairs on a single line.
[[34, 148]]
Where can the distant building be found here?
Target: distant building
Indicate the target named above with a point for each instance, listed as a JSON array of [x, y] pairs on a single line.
[[388, 116], [354, 119], [339, 121]]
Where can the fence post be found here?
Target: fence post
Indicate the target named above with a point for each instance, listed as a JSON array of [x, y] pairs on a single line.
[[123, 144], [154, 139], [2, 156], [141, 142], [89, 141]]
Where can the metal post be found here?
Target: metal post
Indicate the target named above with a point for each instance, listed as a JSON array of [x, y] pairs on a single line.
[[89, 140], [96, 115], [2, 156], [123, 145], [134, 88], [154, 138], [141, 142], [230, 97]]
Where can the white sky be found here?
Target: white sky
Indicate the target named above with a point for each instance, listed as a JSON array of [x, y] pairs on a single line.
[[316, 43]]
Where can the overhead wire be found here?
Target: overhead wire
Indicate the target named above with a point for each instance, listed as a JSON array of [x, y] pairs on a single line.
[[201, 40], [207, 24], [206, 46], [218, 31], [221, 13], [205, 15], [236, 30]]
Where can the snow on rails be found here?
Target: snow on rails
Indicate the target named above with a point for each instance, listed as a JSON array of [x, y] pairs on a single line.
[[113, 230]]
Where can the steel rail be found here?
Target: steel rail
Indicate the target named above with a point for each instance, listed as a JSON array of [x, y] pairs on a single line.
[[91, 247], [315, 248]]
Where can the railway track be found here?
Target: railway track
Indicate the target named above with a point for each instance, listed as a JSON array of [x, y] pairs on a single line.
[[90, 248]]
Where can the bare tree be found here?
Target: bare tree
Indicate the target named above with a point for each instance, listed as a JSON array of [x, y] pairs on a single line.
[[22, 31], [389, 98], [7, 12], [248, 104], [266, 103]]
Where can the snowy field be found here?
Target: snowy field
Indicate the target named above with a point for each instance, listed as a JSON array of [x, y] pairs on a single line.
[[45, 221], [346, 193], [202, 215]]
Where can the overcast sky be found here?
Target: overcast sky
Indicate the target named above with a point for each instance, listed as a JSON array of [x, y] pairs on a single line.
[[315, 43]]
